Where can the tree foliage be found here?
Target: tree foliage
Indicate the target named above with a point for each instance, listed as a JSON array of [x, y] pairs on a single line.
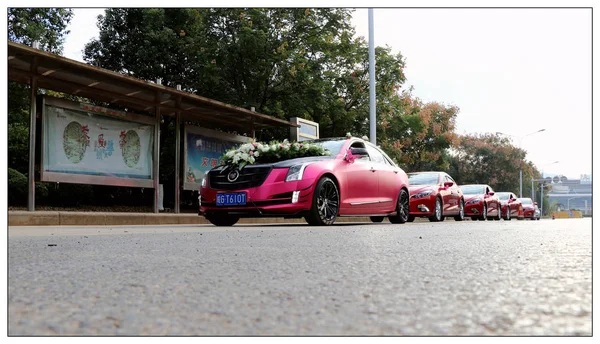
[[492, 159]]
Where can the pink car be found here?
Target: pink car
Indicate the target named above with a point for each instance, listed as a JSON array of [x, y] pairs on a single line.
[[357, 179]]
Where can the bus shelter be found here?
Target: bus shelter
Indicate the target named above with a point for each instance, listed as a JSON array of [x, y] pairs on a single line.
[[79, 128]]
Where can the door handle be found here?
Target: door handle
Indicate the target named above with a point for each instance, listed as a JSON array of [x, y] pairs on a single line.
[[396, 172]]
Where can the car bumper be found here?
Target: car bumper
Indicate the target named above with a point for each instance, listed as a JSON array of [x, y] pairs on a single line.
[[275, 197], [529, 214], [422, 206], [474, 209]]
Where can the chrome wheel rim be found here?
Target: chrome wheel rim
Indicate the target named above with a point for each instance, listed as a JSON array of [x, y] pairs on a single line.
[[403, 206], [507, 213], [327, 201], [438, 209], [485, 212], [461, 213]]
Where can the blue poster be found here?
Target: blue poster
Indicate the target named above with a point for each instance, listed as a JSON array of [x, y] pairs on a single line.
[[203, 153]]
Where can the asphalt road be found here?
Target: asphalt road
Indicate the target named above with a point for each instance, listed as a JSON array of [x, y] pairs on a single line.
[[452, 278]]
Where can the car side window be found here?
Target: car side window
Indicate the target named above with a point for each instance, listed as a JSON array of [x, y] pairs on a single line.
[[448, 178], [376, 156]]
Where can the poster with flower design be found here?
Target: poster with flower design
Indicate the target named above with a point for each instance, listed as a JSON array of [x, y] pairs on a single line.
[[79, 142]]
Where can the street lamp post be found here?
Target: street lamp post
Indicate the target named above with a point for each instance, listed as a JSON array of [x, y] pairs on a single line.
[[521, 147], [532, 180]]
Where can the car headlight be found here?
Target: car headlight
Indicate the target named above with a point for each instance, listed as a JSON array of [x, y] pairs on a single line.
[[204, 180], [422, 194], [295, 173], [473, 201]]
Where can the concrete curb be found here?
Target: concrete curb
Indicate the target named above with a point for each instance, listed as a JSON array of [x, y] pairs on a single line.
[[71, 218]]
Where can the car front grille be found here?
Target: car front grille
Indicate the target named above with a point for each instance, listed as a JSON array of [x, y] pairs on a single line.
[[250, 176]]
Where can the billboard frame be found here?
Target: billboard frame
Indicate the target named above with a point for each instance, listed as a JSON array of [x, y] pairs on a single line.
[[73, 178], [220, 135]]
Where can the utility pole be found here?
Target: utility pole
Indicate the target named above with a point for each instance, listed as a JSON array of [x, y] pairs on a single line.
[[372, 102]]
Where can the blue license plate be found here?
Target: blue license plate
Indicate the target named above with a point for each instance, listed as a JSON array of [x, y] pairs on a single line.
[[234, 198]]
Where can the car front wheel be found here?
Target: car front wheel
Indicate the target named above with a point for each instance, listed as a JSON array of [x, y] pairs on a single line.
[[222, 220], [402, 208], [461, 212], [437, 213], [325, 204]]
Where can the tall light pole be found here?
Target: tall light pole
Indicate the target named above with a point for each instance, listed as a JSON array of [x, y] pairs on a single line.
[[541, 179], [372, 127], [521, 147]]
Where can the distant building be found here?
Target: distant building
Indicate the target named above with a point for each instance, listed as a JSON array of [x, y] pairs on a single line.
[[572, 194]]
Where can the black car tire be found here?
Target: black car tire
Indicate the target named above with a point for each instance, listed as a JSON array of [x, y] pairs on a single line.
[[461, 212], [377, 219], [411, 218], [437, 212], [484, 214], [325, 203], [402, 208], [507, 217], [222, 220]]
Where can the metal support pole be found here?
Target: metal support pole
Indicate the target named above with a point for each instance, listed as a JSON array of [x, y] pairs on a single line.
[[542, 199], [532, 191], [32, 131], [177, 152], [372, 102], [155, 153], [252, 131], [521, 183]]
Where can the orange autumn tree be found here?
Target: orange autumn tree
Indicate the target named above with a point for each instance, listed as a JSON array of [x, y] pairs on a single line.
[[418, 135], [491, 159]]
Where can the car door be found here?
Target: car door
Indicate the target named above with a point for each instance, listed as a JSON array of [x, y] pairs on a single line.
[[362, 184], [388, 188], [514, 205], [454, 198], [445, 194]]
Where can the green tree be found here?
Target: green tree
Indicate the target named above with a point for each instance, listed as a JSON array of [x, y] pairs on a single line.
[[492, 159], [26, 25]]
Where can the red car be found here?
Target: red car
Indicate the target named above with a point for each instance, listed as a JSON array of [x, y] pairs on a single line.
[[530, 209], [509, 201], [356, 179], [435, 195], [481, 203]]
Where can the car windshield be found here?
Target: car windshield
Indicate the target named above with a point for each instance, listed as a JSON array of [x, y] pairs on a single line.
[[503, 196], [472, 189], [332, 145], [526, 201], [423, 178]]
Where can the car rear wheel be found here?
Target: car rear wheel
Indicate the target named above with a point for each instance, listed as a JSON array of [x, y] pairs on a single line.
[[325, 204], [461, 212], [437, 213], [222, 220], [377, 219], [402, 208]]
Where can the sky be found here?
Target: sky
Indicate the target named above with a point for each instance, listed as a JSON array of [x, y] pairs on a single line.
[[514, 71]]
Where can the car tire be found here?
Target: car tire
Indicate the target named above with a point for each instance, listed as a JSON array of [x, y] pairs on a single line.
[[484, 214], [474, 218], [222, 220], [507, 217], [461, 212], [499, 217], [411, 218], [325, 203], [437, 211], [377, 219], [402, 208]]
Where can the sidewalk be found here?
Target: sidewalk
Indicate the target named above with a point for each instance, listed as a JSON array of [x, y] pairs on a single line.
[[71, 218]]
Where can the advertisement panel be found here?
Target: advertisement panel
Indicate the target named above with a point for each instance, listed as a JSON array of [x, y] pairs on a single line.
[[87, 144], [203, 151]]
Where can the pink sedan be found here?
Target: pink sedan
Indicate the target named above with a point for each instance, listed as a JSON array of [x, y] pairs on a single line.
[[356, 179]]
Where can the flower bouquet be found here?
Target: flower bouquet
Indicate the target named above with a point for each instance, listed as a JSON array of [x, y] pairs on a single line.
[[263, 153]]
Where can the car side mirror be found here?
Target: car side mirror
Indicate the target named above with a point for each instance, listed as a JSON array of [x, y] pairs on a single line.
[[535, 204], [511, 200], [491, 193], [448, 184], [359, 151]]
